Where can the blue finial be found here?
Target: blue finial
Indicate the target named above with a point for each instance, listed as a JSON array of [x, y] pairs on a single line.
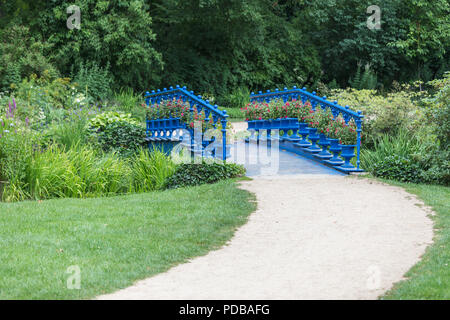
[[158, 90], [178, 86], [324, 97], [165, 89], [184, 87], [153, 91], [260, 92], [314, 93], [295, 87], [171, 88], [252, 94], [277, 89], [147, 93], [346, 107], [285, 88], [268, 91]]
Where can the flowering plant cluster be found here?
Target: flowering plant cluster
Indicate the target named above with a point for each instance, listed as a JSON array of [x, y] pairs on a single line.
[[177, 108], [9, 122], [338, 129], [276, 109], [321, 119]]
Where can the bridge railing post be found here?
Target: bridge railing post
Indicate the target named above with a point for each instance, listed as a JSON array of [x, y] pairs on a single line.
[[224, 139], [358, 139]]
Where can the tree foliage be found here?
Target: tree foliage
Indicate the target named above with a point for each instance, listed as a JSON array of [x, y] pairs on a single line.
[[220, 47]]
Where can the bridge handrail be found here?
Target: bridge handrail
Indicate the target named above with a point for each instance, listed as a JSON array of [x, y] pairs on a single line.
[[156, 96], [285, 94], [315, 100]]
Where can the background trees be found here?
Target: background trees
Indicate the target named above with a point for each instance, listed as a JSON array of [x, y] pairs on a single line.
[[220, 47]]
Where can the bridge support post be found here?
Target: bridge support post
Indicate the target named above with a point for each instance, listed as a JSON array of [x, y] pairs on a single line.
[[358, 140], [224, 139]]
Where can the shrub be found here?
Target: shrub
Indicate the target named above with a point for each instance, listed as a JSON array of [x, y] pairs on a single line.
[[191, 174], [398, 168], [94, 81], [21, 56], [117, 131], [122, 137], [383, 114], [102, 120], [402, 144]]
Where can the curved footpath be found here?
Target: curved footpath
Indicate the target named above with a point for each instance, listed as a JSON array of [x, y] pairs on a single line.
[[312, 237]]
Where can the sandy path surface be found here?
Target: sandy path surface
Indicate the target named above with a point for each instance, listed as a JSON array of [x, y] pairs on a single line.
[[312, 237]]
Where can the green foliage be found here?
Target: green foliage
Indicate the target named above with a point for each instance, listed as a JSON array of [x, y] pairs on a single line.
[[21, 55], [368, 80], [94, 81], [439, 110], [78, 172], [258, 48], [127, 101], [406, 157], [101, 121], [43, 100], [115, 34], [151, 170], [237, 99], [402, 144], [383, 114], [122, 137], [398, 168], [427, 35], [191, 174]]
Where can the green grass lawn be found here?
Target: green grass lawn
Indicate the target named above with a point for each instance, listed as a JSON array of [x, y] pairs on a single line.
[[430, 278], [114, 241]]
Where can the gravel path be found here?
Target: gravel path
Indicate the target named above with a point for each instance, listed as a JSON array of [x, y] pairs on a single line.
[[312, 237]]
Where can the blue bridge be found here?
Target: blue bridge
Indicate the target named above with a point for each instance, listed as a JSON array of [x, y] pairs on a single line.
[[281, 139]]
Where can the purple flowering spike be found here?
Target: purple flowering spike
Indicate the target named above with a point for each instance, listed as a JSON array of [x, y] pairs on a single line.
[[10, 108], [14, 104]]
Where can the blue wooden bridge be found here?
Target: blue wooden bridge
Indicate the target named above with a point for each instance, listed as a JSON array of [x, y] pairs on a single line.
[[291, 142]]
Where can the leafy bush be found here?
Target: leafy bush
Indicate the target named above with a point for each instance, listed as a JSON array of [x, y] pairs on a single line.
[[117, 131], [191, 174], [402, 144], [94, 81], [398, 168], [21, 56], [409, 155], [383, 114], [123, 137], [102, 120]]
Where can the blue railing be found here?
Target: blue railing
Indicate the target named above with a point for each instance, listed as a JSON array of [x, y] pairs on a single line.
[[304, 96], [164, 127]]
